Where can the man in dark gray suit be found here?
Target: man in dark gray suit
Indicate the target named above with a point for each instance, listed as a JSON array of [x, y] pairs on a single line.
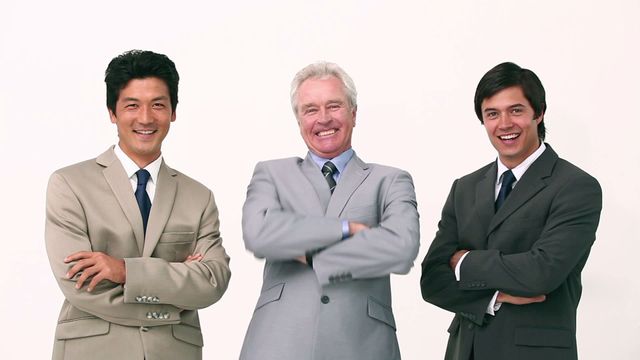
[[514, 235], [331, 228]]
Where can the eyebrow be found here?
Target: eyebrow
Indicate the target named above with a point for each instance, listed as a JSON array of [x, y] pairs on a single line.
[[508, 107], [163, 97]]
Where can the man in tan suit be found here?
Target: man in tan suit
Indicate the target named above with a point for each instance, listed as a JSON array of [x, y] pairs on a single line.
[[134, 244]]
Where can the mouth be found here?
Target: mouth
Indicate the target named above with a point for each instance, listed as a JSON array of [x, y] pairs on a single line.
[[145, 132], [509, 137], [326, 132]]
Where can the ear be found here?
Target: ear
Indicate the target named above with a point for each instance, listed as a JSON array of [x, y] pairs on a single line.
[[539, 119], [113, 117], [353, 113], [173, 116]]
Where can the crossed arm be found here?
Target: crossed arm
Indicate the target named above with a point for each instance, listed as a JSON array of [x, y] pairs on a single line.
[[521, 278], [277, 233], [112, 287]]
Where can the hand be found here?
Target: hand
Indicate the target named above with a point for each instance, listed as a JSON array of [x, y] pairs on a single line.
[[98, 265], [519, 300], [453, 262], [355, 227], [194, 257]]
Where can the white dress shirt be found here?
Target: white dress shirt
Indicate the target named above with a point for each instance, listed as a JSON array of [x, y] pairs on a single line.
[[131, 168]]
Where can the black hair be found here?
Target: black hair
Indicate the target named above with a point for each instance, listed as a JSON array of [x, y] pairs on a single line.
[[506, 75], [139, 64]]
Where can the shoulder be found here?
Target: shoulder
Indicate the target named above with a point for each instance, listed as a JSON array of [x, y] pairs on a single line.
[[477, 175], [279, 165], [83, 170], [187, 183]]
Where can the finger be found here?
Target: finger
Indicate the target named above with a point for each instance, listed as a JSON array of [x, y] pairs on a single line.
[[80, 265], [77, 256], [86, 273], [94, 282]]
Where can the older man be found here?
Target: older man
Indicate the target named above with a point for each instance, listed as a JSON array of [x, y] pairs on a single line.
[[331, 228]]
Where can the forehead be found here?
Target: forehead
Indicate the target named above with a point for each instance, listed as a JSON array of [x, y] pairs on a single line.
[[328, 88], [145, 87], [507, 97]]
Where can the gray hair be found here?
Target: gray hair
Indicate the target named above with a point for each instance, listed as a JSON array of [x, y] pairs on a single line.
[[322, 70]]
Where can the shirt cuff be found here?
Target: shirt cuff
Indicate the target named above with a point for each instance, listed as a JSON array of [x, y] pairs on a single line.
[[457, 270], [345, 229], [493, 305]]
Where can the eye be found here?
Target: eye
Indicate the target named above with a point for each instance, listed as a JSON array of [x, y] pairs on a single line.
[[334, 107], [491, 115], [310, 111], [517, 110], [159, 106], [131, 106]]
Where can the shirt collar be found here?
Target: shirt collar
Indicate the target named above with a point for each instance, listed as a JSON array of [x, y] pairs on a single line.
[[130, 167], [519, 170], [339, 161]]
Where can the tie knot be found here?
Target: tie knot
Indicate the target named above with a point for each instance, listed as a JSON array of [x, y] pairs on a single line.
[[508, 178], [328, 169], [143, 177]]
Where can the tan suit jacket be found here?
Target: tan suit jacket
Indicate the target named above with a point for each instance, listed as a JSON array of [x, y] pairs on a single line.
[[91, 207]]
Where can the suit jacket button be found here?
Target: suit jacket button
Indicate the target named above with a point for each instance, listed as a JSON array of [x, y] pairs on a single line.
[[144, 329], [324, 299]]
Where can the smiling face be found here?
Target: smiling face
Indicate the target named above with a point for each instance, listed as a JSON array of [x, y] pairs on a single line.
[[325, 118], [511, 125], [143, 115]]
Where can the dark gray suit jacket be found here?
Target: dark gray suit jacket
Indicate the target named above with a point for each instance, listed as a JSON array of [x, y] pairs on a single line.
[[340, 308], [536, 243]]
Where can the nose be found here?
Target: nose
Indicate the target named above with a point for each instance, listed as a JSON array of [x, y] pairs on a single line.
[[146, 115], [324, 116], [505, 121]]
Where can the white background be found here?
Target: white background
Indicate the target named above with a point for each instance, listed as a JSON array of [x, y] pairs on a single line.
[[415, 64]]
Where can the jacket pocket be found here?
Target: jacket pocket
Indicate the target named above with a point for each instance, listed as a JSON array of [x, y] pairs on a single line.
[[175, 246], [81, 328], [543, 337], [188, 334], [380, 312], [270, 295]]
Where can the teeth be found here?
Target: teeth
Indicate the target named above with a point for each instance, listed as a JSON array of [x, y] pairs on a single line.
[[509, 137], [327, 132], [145, 132]]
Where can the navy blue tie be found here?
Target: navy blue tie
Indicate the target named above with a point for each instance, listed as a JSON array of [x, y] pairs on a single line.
[[507, 184], [328, 169], [144, 203]]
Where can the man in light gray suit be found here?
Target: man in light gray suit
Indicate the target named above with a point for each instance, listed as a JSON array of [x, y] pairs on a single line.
[[134, 245], [331, 228]]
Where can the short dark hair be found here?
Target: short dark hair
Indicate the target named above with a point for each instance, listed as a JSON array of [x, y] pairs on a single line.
[[506, 75], [139, 64]]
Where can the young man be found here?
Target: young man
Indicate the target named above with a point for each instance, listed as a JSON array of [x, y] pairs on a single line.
[[134, 244], [514, 235]]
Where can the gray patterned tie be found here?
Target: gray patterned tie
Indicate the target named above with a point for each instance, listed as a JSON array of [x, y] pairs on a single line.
[[328, 169]]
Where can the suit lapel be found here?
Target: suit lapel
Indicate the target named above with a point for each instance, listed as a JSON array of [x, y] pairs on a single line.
[[117, 179], [531, 183], [318, 183], [485, 202], [161, 208], [354, 174]]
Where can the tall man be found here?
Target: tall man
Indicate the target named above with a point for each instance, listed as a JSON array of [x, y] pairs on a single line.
[[134, 244], [331, 228], [514, 235]]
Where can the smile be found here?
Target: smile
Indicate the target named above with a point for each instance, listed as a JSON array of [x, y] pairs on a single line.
[[326, 132], [509, 136], [144, 132]]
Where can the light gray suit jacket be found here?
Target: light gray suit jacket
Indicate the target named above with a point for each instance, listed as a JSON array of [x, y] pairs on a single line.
[[91, 207], [341, 307]]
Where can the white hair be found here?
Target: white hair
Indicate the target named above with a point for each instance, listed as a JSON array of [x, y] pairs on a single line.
[[322, 70]]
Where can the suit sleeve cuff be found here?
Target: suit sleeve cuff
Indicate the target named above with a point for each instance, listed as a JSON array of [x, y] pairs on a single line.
[[459, 264]]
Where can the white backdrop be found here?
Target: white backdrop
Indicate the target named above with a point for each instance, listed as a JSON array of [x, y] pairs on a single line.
[[416, 65]]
